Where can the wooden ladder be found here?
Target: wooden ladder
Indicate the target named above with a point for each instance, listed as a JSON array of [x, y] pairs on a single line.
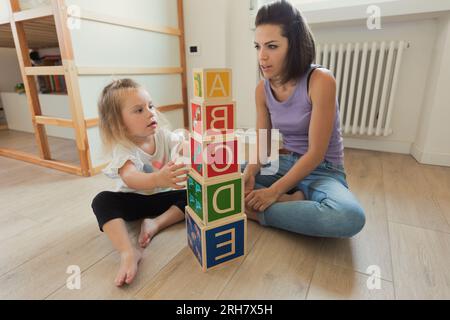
[[68, 70]]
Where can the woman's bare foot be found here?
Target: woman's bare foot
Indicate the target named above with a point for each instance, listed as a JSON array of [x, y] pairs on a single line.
[[251, 213], [297, 196], [128, 267], [149, 228]]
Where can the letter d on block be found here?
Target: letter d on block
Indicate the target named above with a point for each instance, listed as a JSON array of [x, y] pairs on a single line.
[[216, 194]]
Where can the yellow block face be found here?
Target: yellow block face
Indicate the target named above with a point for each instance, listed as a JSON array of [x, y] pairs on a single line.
[[218, 85]]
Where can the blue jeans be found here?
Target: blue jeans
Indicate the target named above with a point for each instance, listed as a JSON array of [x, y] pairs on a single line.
[[329, 209]]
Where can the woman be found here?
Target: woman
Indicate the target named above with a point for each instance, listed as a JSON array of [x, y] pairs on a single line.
[[309, 194]]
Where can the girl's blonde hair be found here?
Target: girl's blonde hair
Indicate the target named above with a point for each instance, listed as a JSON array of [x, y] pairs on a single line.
[[112, 128]]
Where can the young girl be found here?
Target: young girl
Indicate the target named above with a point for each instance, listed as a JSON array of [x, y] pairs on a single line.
[[299, 99], [146, 175]]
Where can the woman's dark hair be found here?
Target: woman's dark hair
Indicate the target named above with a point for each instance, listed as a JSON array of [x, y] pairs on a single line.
[[302, 49]]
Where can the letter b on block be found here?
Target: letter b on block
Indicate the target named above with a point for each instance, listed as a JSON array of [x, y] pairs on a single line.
[[210, 118]]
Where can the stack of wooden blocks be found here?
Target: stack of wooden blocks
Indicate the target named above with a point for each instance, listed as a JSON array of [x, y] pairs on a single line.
[[215, 220]]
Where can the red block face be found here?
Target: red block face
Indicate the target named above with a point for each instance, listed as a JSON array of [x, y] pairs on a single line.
[[210, 120], [218, 158], [197, 156], [222, 158], [219, 119], [197, 123]]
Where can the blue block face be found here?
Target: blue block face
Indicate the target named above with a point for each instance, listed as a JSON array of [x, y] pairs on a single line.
[[194, 236], [225, 243]]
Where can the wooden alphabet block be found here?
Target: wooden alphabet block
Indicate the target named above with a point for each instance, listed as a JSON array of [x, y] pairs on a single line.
[[209, 118], [215, 199], [215, 158], [218, 243], [210, 84]]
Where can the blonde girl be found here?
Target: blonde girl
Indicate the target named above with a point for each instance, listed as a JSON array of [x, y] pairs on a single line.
[[148, 181]]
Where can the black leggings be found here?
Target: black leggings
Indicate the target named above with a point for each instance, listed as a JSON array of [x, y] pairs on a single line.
[[108, 206]]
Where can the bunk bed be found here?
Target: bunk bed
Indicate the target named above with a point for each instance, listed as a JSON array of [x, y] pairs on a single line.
[[45, 26]]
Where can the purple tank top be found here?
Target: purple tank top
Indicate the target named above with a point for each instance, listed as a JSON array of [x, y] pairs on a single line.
[[292, 119]]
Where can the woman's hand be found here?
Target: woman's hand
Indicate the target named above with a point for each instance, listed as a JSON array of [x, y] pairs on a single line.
[[261, 199], [171, 175]]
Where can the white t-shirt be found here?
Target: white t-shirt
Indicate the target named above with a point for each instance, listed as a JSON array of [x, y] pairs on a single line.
[[167, 145]]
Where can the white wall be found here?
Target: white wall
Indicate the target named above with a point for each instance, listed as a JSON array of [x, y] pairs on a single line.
[[103, 45], [10, 70], [222, 29], [4, 10], [19, 118], [206, 26], [432, 143], [9, 76]]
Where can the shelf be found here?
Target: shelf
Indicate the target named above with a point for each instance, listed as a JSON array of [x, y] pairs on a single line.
[[32, 14]]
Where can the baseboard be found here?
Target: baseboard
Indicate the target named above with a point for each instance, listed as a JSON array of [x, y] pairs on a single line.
[[402, 147], [436, 159]]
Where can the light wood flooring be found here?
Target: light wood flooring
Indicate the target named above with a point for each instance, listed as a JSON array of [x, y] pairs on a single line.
[[46, 225]]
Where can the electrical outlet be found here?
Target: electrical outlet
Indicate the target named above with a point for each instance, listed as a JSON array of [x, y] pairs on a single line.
[[194, 50]]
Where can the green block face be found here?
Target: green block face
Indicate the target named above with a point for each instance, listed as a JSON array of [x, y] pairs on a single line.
[[194, 194], [224, 199], [198, 85]]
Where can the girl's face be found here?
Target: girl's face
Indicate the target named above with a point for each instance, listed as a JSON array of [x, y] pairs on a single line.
[[272, 50], [139, 114]]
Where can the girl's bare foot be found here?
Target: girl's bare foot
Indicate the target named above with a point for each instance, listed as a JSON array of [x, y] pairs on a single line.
[[149, 228], [297, 196], [128, 267]]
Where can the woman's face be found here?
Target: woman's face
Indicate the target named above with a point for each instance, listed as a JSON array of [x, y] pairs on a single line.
[[272, 50]]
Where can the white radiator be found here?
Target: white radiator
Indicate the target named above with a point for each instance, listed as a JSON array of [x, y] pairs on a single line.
[[367, 77]]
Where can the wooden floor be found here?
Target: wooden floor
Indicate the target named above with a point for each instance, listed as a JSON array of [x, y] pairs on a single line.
[[60, 149], [46, 225]]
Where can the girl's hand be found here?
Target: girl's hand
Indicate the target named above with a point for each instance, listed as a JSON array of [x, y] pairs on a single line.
[[261, 199], [171, 175]]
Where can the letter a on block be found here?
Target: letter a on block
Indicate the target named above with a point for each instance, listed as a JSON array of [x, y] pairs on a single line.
[[216, 194], [218, 84]]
